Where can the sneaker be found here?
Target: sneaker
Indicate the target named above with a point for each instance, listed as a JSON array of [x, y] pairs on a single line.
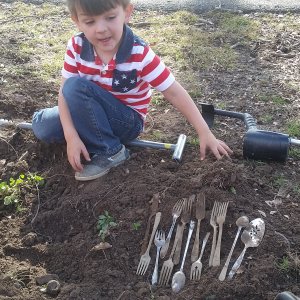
[[100, 165]]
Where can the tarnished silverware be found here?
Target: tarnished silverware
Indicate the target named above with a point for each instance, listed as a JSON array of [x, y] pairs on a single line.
[[214, 225], [251, 237], [167, 268], [240, 223], [153, 211], [159, 241], [176, 211], [220, 218], [196, 267], [178, 279], [185, 219], [145, 258], [200, 215]]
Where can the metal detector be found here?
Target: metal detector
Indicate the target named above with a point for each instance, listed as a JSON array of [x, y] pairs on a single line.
[[176, 148], [257, 144]]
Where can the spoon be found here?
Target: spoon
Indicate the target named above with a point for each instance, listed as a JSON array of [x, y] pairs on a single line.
[[241, 222], [178, 279], [251, 237]]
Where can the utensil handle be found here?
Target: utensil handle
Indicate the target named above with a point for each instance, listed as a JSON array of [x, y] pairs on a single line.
[[191, 228], [195, 250], [155, 225], [179, 235], [237, 264], [165, 247], [216, 259], [224, 270], [204, 244], [155, 272], [213, 246]]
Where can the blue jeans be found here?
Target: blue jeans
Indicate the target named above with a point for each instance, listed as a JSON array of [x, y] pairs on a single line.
[[102, 121]]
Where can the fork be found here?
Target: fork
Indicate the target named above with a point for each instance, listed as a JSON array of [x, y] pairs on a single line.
[[167, 268], [221, 216], [159, 241], [176, 211], [196, 267], [214, 225], [145, 258], [200, 215], [185, 218]]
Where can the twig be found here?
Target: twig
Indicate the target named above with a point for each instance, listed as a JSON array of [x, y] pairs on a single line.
[[119, 298], [2, 139]]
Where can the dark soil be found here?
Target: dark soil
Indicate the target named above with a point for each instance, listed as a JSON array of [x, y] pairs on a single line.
[[57, 232]]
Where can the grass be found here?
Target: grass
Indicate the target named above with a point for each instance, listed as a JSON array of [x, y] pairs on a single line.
[[293, 128], [274, 99], [289, 265]]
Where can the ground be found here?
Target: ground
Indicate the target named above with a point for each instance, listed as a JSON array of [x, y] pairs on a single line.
[[55, 232]]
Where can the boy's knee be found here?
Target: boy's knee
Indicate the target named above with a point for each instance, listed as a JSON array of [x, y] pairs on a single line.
[[46, 125], [72, 86]]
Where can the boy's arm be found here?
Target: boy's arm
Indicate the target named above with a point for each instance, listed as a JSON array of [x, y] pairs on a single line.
[[180, 99], [75, 146]]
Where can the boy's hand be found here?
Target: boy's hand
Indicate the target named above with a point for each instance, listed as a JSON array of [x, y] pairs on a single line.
[[76, 148], [217, 147]]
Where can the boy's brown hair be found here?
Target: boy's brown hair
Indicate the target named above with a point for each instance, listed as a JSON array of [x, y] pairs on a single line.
[[94, 7]]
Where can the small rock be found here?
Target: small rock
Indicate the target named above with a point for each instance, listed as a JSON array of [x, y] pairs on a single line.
[[142, 292], [29, 239], [53, 287], [115, 273], [75, 293], [44, 279], [18, 285]]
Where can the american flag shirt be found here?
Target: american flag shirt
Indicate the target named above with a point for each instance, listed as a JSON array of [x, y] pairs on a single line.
[[129, 76]]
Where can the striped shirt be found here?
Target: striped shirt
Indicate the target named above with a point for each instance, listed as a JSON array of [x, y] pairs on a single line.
[[129, 76]]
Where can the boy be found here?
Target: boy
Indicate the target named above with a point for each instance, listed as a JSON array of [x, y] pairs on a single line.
[[105, 91]]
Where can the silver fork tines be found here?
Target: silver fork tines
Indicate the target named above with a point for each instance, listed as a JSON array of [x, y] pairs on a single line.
[[214, 225], [220, 218], [145, 258], [159, 241], [176, 211]]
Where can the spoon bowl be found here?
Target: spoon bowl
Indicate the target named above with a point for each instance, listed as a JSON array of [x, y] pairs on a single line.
[[253, 234], [242, 221], [178, 281]]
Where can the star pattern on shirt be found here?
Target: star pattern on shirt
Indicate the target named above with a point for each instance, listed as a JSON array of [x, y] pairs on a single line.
[[124, 81]]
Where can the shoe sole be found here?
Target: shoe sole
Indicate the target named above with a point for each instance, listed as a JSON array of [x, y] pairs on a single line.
[[85, 178]]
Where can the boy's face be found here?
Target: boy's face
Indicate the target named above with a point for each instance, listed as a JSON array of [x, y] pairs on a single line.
[[104, 31]]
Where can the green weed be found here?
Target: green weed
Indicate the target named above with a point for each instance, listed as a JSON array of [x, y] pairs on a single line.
[[289, 265], [136, 225], [11, 191], [194, 141], [279, 181], [283, 264], [105, 223]]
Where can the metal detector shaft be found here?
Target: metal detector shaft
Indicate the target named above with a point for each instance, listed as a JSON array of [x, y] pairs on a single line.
[[176, 148]]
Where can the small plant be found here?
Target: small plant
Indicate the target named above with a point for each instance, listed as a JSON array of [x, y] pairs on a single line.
[[283, 264], [105, 223], [136, 225], [194, 141], [11, 191], [233, 190]]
